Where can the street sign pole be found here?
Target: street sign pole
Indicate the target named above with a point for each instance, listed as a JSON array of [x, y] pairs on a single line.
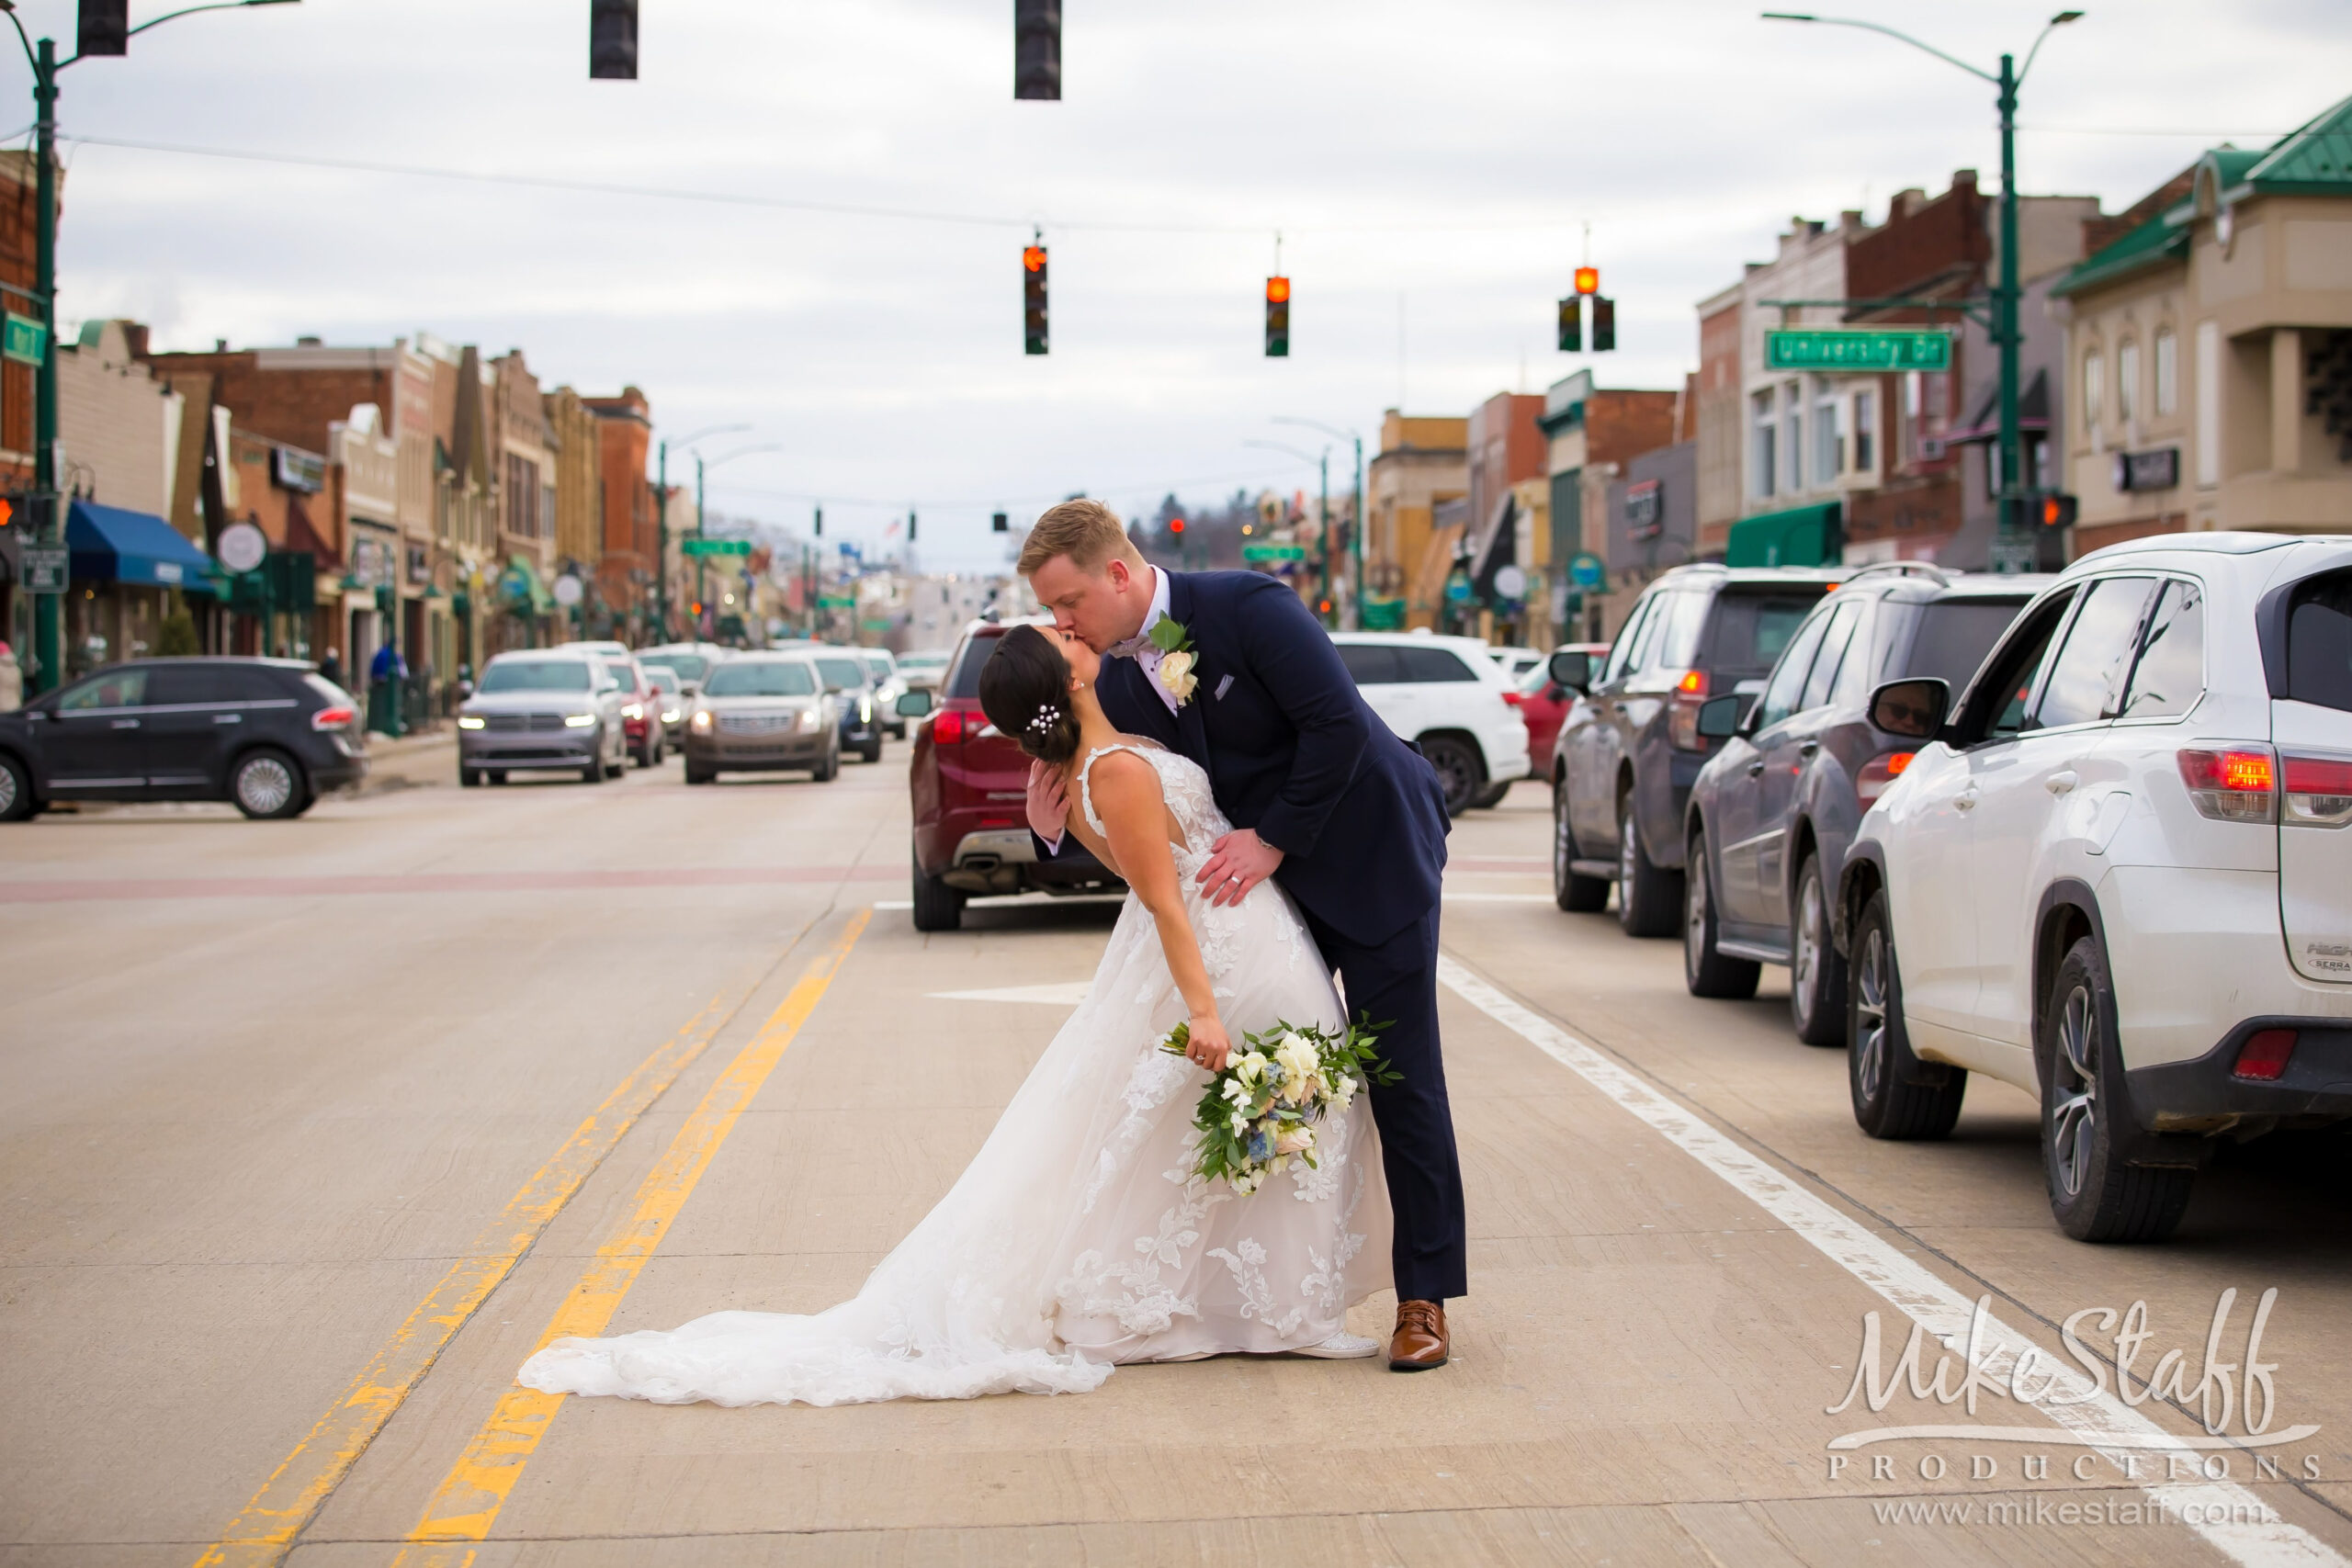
[[2013, 551], [48, 609], [661, 558]]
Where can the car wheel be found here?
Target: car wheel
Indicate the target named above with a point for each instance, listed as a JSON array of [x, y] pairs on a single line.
[[700, 775], [1458, 771], [829, 770], [1647, 899], [1490, 796], [938, 908], [1578, 894], [1706, 971], [469, 778], [496, 776], [594, 772], [16, 790], [2095, 1193], [268, 783], [872, 751], [1816, 969], [1882, 1074]]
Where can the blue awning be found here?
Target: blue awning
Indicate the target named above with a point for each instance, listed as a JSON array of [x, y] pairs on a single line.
[[110, 543]]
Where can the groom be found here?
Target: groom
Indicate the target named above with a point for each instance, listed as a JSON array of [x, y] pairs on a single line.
[[1326, 800]]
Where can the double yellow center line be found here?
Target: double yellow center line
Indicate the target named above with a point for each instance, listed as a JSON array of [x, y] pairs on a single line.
[[469, 1499]]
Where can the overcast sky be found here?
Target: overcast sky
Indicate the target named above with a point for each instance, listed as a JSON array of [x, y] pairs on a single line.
[[1429, 166]]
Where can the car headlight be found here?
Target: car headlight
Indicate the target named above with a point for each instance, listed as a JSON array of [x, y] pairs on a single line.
[[467, 721], [700, 723], [809, 719], [632, 710], [578, 720], [864, 711], [668, 715]]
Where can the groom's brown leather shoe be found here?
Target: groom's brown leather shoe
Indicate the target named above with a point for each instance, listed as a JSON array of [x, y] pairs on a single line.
[[1419, 1343]]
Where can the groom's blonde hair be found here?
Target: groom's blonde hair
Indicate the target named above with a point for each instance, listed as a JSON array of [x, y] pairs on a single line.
[[1087, 531]]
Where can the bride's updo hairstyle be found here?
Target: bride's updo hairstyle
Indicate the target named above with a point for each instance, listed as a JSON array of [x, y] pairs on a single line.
[[1024, 690]]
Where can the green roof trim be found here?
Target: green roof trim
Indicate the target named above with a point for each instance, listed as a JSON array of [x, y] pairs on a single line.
[[2152, 244], [2315, 161]]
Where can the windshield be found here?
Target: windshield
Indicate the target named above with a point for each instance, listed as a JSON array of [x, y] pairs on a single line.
[[881, 668], [689, 666], [1954, 636], [536, 675], [922, 661], [762, 678], [841, 674], [663, 680]]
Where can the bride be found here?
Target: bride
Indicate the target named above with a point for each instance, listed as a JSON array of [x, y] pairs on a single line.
[[1077, 1239]]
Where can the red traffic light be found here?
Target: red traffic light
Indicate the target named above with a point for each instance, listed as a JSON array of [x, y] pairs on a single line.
[[1588, 280], [1034, 257], [1277, 291], [1176, 524]]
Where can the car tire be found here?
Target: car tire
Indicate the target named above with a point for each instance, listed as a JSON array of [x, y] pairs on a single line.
[[829, 770], [1816, 969], [15, 790], [938, 908], [267, 784], [2097, 1192], [469, 778], [1491, 796], [1706, 970], [1879, 1068], [495, 776], [594, 772], [1459, 771], [872, 749], [1650, 902], [700, 775], [1576, 894]]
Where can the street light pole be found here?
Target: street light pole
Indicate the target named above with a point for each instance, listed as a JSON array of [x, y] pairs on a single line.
[[661, 515], [49, 514], [702, 592], [1356, 524], [2013, 549]]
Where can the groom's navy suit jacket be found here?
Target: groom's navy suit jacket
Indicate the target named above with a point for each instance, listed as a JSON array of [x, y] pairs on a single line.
[[1292, 751]]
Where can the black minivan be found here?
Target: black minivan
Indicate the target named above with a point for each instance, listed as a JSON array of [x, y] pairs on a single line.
[[269, 735], [1629, 748]]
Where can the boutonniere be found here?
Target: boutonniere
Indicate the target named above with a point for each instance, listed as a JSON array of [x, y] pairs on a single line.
[[1176, 657]]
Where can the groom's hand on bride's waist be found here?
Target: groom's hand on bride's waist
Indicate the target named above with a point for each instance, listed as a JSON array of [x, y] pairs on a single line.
[[1238, 862], [1048, 808]]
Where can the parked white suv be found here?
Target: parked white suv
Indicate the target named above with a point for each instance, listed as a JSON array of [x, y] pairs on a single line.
[[1444, 695], [2118, 873]]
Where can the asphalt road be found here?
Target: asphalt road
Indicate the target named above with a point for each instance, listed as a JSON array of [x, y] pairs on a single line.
[[309, 1131]]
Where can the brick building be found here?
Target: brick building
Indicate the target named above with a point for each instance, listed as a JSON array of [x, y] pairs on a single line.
[[632, 547], [524, 482], [1717, 400], [1422, 464], [1591, 434], [1506, 537]]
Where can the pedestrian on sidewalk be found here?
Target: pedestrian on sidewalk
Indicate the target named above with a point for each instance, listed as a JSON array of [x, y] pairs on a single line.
[[331, 668]]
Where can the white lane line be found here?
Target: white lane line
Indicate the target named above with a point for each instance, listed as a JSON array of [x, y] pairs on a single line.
[[1454, 898], [2248, 1532], [1065, 994]]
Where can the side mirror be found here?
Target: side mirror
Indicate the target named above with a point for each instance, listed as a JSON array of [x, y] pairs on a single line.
[[1573, 670], [915, 704], [1719, 716], [1912, 709]]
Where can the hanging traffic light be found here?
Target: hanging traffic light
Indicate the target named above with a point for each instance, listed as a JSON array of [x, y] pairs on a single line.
[[1572, 325], [2056, 510], [1588, 280], [1176, 526], [104, 28], [1605, 323], [911, 525], [999, 523], [612, 40], [1037, 48], [1278, 318], [820, 523], [1033, 299]]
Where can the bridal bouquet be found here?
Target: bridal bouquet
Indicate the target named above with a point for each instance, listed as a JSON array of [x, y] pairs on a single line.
[[1260, 1113]]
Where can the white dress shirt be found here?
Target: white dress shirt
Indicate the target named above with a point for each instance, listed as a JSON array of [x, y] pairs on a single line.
[[1148, 655]]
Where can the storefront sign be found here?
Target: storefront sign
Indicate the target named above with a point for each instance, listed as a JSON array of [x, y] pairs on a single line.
[[1588, 571], [2159, 469], [1256, 553], [45, 567], [1845, 348], [1645, 509], [299, 470], [241, 546], [420, 564], [23, 339]]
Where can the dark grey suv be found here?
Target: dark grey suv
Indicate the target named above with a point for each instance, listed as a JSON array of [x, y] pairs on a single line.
[[1629, 748], [1773, 811]]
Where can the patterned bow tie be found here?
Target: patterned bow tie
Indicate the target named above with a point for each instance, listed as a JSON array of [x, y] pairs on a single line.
[[1131, 649]]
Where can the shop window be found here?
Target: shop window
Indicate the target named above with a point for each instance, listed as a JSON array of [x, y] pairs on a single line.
[[2127, 381], [2094, 389], [2168, 349]]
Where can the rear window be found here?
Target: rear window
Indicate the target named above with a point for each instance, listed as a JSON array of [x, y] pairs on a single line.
[[1370, 663], [2319, 642], [841, 672], [664, 679], [689, 666], [964, 681], [880, 666], [206, 683], [762, 678], [1432, 664], [536, 675], [1752, 629], [1954, 636], [1676, 646]]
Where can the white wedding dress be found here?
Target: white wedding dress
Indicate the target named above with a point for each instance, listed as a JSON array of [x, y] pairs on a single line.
[[1075, 1238]]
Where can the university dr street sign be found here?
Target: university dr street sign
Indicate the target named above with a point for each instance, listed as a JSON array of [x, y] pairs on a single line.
[[1857, 350], [715, 547]]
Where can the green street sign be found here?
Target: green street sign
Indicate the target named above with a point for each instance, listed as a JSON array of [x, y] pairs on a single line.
[[831, 602], [22, 339], [1274, 552], [715, 548], [1858, 350]]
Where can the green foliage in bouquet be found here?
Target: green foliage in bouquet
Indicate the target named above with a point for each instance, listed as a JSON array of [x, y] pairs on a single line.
[[1260, 1111]]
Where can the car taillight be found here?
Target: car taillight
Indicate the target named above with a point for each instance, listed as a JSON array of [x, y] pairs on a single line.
[[334, 718], [1879, 772], [1682, 717], [2235, 783], [2318, 791], [951, 726], [1516, 699], [2265, 1055]]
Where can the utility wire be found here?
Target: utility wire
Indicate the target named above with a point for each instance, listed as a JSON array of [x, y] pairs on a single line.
[[900, 502]]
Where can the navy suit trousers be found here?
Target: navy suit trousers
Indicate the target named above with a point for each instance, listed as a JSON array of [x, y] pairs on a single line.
[[1394, 982]]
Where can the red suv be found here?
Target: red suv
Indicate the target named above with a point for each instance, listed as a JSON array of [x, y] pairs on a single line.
[[970, 784]]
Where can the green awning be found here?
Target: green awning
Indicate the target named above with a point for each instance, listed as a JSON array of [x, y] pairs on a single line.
[[1801, 535], [520, 586]]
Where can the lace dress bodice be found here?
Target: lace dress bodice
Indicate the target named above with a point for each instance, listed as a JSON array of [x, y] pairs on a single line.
[[1184, 787]]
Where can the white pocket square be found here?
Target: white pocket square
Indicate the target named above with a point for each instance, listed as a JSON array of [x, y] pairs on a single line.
[[1223, 686]]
